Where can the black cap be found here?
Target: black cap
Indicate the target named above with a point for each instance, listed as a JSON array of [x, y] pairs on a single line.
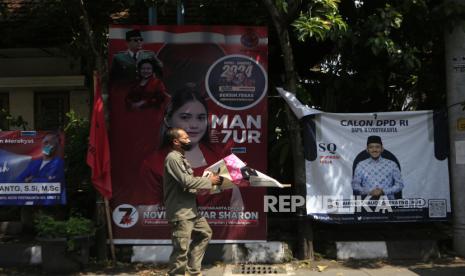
[[132, 33], [374, 139]]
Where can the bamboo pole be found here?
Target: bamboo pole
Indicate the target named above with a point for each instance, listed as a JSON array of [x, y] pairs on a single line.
[[110, 231]]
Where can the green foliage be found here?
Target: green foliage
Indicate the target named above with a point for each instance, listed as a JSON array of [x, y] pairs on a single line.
[[8, 120], [76, 137], [390, 56], [282, 5], [81, 194], [382, 24], [48, 227], [321, 20]]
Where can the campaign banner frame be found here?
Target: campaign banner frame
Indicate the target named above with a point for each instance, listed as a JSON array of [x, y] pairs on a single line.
[[227, 65], [32, 171], [415, 145]]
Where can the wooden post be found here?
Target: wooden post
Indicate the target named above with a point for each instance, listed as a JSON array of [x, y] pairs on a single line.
[[101, 233], [110, 231]]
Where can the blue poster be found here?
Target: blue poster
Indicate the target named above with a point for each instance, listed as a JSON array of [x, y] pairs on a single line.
[[31, 168]]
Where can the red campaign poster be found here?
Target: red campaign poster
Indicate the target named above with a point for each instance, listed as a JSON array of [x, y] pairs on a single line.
[[210, 81]]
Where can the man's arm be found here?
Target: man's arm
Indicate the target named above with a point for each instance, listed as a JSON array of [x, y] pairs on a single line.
[[398, 183], [176, 169], [23, 177], [357, 182], [52, 172]]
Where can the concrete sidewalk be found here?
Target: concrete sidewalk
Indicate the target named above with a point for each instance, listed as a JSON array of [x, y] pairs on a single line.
[[333, 268], [327, 267]]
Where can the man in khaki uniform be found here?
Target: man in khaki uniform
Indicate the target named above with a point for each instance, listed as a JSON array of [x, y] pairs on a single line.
[[179, 191]]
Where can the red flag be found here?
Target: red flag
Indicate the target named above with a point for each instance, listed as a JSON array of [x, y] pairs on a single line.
[[98, 153]]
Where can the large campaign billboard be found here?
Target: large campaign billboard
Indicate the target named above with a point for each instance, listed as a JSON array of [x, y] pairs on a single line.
[[31, 168], [210, 81], [377, 167]]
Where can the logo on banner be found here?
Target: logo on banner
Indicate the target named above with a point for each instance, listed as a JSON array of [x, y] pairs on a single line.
[[125, 216], [236, 82], [250, 39], [328, 153]]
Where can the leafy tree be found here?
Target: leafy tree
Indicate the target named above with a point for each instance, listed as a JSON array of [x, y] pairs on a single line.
[[81, 195], [390, 57]]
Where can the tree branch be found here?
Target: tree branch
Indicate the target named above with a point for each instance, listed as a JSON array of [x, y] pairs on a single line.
[[90, 37]]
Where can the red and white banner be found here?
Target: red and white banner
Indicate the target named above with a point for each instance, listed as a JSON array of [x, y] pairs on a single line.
[[224, 111]]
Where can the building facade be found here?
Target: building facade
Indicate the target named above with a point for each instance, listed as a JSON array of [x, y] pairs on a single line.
[[41, 85]]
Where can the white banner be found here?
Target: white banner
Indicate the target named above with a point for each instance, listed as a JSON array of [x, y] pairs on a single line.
[[347, 182]]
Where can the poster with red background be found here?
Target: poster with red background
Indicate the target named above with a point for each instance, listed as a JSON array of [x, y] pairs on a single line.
[[227, 67]]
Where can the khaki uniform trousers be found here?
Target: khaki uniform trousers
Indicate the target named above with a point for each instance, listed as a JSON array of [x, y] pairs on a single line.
[[187, 257]]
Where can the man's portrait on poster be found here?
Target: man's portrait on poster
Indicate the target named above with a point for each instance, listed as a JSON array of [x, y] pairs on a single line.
[[124, 63], [49, 167], [377, 172]]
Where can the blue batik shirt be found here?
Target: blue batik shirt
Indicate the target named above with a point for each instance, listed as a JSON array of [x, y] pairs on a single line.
[[377, 173]]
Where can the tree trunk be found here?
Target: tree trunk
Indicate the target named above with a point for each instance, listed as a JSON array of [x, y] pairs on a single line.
[[305, 232], [101, 68]]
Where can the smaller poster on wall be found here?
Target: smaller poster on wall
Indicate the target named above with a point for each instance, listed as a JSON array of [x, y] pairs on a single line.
[[377, 167], [31, 168]]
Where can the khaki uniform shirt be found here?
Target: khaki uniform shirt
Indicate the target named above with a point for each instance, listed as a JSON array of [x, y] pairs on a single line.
[[180, 187]]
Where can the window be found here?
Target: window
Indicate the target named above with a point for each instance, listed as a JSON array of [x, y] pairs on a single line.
[[50, 110]]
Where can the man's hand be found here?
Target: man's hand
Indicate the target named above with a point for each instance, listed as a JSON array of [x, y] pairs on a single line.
[[215, 179], [377, 192]]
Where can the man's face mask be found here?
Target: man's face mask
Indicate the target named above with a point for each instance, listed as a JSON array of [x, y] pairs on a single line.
[[47, 150], [186, 146]]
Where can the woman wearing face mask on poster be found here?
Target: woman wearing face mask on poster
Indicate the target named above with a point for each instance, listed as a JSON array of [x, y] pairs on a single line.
[[189, 111]]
